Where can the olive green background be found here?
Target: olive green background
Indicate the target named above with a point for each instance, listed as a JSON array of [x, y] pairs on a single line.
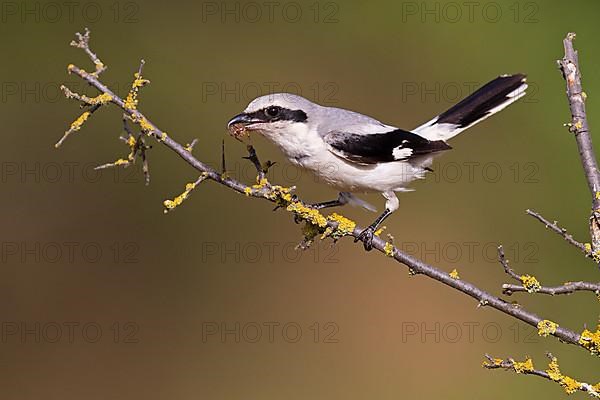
[[162, 282]]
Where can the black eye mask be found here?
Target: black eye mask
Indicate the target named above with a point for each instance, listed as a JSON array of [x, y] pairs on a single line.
[[274, 113]]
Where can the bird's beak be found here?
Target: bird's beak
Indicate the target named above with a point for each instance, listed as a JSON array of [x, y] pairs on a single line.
[[242, 119]]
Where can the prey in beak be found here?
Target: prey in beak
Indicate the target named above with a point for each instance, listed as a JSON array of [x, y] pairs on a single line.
[[239, 125]]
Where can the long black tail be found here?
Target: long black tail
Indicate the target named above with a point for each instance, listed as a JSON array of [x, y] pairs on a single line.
[[484, 102]]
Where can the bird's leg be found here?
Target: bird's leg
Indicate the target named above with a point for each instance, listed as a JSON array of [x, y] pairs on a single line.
[[340, 201], [391, 205]]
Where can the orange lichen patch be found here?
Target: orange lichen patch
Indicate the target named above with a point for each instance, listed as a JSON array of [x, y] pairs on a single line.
[[454, 274]]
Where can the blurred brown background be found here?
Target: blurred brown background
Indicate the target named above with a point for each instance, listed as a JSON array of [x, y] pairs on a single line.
[[104, 296]]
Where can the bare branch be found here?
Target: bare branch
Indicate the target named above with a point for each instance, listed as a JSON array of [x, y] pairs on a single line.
[[507, 268], [561, 231], [571, 72], [567, 288]]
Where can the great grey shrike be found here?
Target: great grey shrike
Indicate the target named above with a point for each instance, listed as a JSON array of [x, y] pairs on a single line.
[[355, 153]]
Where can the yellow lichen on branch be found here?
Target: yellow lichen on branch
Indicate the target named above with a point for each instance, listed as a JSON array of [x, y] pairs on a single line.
[[92, 102], [523, 367], [591, 340], [75, 126], [131, 101], [388, 249], [121, 162], [569, 384], [101, 99], [530, 283], [546, 328], [343, 227], [177, 201], [553, 373], [308, 214]]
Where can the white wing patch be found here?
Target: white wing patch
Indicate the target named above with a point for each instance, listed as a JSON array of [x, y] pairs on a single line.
[[400, 153]]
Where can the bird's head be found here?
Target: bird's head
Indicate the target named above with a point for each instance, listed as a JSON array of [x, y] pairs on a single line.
[[274, 116]]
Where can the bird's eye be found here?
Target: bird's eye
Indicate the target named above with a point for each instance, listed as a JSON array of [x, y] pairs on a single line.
[[272, 111]]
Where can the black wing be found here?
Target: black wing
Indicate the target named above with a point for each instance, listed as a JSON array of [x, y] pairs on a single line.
[[373, 148]]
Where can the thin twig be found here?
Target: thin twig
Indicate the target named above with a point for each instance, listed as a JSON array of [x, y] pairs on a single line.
[[507, 268], [223, 164], [561, 231], [567, 288], [140, 148], [253, 157], [83, 42]]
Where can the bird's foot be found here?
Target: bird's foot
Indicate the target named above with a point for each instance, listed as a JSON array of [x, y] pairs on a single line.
[[366, 236]]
